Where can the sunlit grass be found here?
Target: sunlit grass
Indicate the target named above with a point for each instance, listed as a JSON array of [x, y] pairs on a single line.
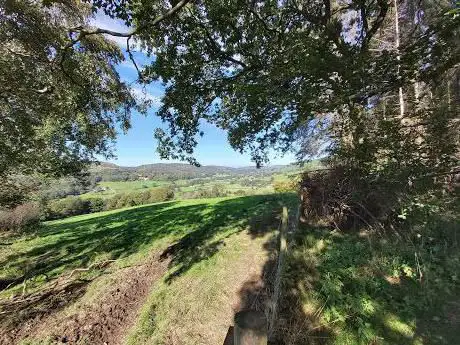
[[220, 242], [356, 290], [196, 308], [123, 235]]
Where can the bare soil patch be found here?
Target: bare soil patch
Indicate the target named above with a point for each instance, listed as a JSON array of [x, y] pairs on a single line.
[[20, 315], [103, 319]]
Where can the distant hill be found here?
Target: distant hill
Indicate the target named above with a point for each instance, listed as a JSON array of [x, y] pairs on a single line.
[[173, 171]]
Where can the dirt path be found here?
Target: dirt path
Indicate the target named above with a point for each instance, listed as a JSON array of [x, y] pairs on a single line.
[[103, 317], [199, 308]]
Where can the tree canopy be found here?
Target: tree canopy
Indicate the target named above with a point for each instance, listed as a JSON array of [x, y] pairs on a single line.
[[267, 70], [61, 100], [363, 80]]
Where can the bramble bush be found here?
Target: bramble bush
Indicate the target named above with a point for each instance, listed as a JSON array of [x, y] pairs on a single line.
[[22, 217]]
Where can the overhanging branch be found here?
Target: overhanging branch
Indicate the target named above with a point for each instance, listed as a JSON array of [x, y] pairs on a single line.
[[83, 32]]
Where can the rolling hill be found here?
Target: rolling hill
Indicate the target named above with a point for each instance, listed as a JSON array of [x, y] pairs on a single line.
[[174, 171]]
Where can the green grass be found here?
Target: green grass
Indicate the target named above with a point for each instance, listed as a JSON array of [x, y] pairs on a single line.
[[194, 303], [229, 187], [215, 238], [63, 245], [197, 304], [230, 184], [350, 288], [113, 188]]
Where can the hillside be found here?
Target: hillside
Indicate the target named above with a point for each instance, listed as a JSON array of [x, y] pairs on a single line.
[[174, 171], [155, 274]]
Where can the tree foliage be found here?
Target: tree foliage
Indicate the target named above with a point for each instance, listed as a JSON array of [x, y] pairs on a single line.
[[269, 72], [372, 84], [60, 102], [364, 82]]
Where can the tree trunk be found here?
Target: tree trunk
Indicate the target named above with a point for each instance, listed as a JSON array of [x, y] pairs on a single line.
[[401, 94]]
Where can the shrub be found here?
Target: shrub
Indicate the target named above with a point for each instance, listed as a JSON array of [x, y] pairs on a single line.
[[216, 191], [96, 204], [284, 186], [70, 206], [337, 197], [144, 196], [111, 203], [21, 217], [347, 198], [124, 201], [161, 194], [240, 192], [140, 198]]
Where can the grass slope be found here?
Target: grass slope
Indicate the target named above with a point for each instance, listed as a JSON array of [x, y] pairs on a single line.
[[215, 241]]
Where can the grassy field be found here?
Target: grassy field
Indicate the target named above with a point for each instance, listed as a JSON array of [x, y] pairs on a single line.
[[175, 273], [196, 293], [230, 184]]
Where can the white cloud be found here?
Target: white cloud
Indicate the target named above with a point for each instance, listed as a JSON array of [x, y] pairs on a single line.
[[102, 21], [144, 94]]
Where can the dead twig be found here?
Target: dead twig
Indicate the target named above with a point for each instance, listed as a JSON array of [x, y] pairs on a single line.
[[99, 264], [6, 288], [24, 287]]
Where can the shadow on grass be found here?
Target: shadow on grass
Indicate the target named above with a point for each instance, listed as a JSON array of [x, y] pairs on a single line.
[[63, 246], [228, 217], [350, 288], [257, 292], [196, 228]]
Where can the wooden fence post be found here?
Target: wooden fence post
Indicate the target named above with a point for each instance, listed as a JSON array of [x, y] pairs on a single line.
[[250, 328], [279, 271]]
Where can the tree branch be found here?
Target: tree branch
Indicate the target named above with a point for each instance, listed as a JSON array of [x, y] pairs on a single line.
[[262, 21], [131, 57], [327, 11], [214, 46], [378, 22], [18, 53], [83, 33]]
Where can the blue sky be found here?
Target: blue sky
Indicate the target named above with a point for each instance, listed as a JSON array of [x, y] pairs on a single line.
[[138, 146]]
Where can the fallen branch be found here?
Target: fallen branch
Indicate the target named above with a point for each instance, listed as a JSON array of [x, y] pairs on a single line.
[[99, 264], [24, 287], [6, 288]]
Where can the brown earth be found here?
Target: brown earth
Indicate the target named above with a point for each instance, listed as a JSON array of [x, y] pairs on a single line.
[[101, 319]]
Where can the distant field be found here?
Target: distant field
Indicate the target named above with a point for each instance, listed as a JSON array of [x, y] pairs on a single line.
[[230, 184], [229, 181], [109, 189], [170, 278]]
